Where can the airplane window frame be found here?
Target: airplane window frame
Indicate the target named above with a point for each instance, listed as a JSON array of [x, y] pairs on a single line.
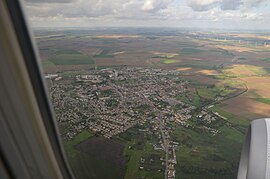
[[31, 59]]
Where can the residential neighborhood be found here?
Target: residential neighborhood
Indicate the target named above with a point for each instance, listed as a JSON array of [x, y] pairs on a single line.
[[109, 101]]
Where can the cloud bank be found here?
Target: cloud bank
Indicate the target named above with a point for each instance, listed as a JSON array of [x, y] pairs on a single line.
[[178, 13], [204, 5]]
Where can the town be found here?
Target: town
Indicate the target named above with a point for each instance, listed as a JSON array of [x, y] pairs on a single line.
[[110, 101]]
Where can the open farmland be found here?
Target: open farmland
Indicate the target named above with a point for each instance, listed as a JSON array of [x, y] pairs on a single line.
[[87, 166], [249, 108], [199, 153], [70, 57], [255, 102], [103, 150], [227, 75]]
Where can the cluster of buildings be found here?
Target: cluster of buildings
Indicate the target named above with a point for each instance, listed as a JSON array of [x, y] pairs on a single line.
[[110, 101]]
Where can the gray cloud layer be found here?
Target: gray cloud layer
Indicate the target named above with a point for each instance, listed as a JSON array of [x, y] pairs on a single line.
[[95, 8], [204, 5], [143, 12]]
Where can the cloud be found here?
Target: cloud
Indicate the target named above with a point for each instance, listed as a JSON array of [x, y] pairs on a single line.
[[78, 8], [96, 8], [230, 4], [205, 5], [155, 5], [253, 3], [202, 5], [145, 12]]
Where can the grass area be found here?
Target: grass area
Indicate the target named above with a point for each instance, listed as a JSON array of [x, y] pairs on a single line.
[[69, 144], [48, 64], [164, 55], [230, 117], [66, 51], [133, 164], [202, 155], [190, 98], [258, 70], [263, 100], [137, 148], [169, 61], [150, 170], [233, 83], [84, 166], [71, 59], [112, 103], [226, 53], [104, 54], [264, 59], [104, 67], [190, 50], [72, 73], [209, 93], [204, 94], [243, 71], [199, 66]]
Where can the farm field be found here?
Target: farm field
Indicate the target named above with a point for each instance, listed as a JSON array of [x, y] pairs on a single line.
[[199, 153], [121, 156], [70, 57], [88, 164]]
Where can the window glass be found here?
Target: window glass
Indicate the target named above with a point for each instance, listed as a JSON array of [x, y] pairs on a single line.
[[154, 88]]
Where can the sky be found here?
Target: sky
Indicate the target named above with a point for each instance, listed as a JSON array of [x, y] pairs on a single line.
[[222, 14]]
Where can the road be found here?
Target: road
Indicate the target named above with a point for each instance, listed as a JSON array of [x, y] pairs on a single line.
[[165, 143], [162, 128]]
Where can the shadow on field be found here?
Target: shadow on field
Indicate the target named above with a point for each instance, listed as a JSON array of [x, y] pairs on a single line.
[[105, 150]]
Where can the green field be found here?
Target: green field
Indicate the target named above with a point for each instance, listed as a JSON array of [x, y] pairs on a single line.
[[72, 73], [84, 166], [258, 70], [263, 100], [104, 54], [70, 57], [169, 61], [135, 149], [264, 59], [190, 98], [135, 156], [48, 65], [202, 155], [209, 93], [66, 51], [236, 120], [190, 51], [236, 71], [204, 93]]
